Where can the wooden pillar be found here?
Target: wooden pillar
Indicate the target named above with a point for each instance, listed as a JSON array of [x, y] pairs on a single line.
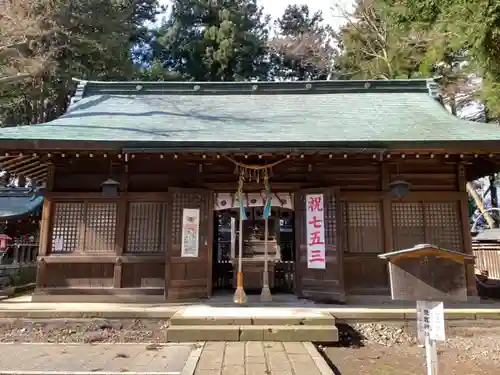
[[466, 236], [386, 208], [121, 229], [43, 247], [45, 229]]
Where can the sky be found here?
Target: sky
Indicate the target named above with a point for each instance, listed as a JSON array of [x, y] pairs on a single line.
[[276, 7]]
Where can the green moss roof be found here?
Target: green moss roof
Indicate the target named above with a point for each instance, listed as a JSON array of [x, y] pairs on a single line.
[[285, 113]]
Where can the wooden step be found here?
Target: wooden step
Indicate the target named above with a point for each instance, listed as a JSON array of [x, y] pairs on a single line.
[[280, 333]]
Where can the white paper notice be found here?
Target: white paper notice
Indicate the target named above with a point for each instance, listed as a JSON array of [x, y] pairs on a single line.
[[59, 244], [190, 232], [430, 320], [316, 257]]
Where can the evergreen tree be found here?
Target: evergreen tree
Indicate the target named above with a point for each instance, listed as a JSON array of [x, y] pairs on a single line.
[[206, 40]]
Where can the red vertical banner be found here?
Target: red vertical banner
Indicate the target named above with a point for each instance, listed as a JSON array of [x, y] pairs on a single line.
[[315, 229]]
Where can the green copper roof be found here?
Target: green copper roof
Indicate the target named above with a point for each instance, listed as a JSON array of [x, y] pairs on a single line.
[[327, 112], [18, 202]]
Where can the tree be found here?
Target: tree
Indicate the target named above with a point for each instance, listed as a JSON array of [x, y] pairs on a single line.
[[302, 49], [47, 42], [23, 29], [372, 46], [208, 40], [460, 33]]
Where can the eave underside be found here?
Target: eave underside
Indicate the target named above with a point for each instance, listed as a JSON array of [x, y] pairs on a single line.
[[479, 158]]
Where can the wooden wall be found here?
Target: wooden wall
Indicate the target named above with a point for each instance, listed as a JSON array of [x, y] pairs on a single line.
[[120, 243]]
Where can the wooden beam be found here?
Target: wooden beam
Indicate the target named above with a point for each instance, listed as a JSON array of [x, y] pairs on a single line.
[[45, 222], [387, 209], [51, 174], [44, 243], [121, 229], [5, 158], [430, 196], [470, 274], [39, 177], [13, 168], [14, 161], [34, 170], [102, 291], [109, 258], [28, 167]]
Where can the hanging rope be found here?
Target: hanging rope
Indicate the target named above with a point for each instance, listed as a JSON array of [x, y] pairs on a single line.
[[253, 172]]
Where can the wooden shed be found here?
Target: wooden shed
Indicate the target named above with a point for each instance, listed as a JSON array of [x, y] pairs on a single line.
[[427, 272], [132, 165]]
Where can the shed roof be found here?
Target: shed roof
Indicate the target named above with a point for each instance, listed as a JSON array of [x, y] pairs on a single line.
[[423, 248], [336, 113], [18, 202]]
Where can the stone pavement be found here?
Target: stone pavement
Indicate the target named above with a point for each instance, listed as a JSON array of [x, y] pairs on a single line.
[[211, 358], [167, 359], [261, 358]]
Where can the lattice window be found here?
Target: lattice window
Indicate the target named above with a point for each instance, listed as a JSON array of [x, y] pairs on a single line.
[[146, 231], [84, 227], [100, 228], [67, 227], [363, 227], [436, 223], [330, 221], [443, 225], [408, 224]]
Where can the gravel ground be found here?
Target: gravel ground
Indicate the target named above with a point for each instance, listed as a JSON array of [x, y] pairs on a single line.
[[83, 331], [367, 349], [374, 349]]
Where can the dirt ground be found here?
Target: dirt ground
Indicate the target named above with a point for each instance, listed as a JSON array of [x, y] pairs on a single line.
[[468, 351]]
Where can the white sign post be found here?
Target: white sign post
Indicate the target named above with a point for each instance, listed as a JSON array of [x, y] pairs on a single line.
[[430, 325]]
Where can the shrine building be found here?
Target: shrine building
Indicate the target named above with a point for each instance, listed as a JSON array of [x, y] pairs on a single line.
[[145, 184]]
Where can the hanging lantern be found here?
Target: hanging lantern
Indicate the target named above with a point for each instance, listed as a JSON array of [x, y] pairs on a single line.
[[399, 188], [4, 242], [110, 188]]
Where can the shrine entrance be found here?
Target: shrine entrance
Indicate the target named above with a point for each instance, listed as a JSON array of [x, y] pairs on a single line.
[[281, 245]]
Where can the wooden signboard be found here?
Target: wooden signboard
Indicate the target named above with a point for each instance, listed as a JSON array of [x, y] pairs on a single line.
[[428, 273]]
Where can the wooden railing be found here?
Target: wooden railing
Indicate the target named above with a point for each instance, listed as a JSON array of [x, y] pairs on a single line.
[[18, 265]]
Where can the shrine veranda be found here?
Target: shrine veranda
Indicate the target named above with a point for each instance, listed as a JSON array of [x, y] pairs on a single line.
[[143, 185]]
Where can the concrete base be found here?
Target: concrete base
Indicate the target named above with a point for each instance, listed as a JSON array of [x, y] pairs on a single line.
[[265, 294], [251, 324], [273, 333]]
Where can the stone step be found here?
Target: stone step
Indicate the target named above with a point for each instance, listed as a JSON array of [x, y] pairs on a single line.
[[280, 333], [196, 316]]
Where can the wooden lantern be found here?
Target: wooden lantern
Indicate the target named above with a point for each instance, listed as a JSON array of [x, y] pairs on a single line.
[[110, 188]]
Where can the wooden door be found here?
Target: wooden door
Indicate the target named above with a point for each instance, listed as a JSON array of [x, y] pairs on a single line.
[[322, 285], [189, 278]]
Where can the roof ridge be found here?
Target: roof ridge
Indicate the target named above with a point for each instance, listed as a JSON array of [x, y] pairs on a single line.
[[90, 88], [79, 93]]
